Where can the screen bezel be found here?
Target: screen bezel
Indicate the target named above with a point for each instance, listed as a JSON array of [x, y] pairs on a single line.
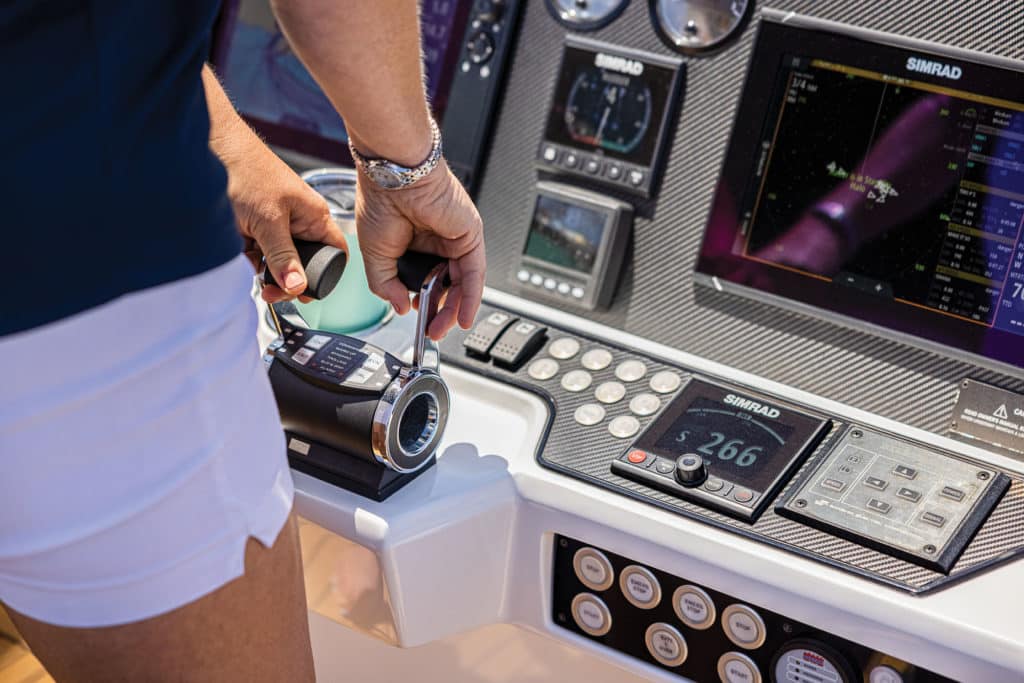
[[806, 429], [885, 53], [600, 258], [310, 144]]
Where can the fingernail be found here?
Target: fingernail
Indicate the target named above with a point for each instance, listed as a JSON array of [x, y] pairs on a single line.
[[292, 281]]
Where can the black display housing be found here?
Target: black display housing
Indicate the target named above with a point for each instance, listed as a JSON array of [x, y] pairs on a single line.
[[849, 298], [611, 115], [748, 442]]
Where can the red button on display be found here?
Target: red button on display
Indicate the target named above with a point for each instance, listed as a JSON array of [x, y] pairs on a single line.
[[637, 457]]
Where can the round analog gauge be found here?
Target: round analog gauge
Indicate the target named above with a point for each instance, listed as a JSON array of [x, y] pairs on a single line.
[[606, 114], [586, 15], [695, 26]]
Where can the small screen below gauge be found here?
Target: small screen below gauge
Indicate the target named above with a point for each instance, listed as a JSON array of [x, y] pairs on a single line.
[[609, 113], [565, 234]]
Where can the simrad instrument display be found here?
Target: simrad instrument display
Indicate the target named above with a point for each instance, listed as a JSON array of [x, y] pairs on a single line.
[[609, 115], [725, 448], [886, 184]]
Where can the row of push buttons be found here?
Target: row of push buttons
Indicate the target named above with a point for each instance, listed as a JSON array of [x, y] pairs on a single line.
[[694, 607], [594, 166], [550, 284], [667, 467], [606, 393]]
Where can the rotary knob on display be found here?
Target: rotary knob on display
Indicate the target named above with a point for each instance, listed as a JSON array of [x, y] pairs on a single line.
[[480, 48], [690, 469]]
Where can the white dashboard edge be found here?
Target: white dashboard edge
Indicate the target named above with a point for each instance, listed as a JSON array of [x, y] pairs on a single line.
[[490, 504]]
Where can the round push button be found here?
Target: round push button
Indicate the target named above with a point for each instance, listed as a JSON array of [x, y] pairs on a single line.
[[591, 614], [543, 368], [735, 667], [589, 414], [644, 404], [694, 607], [576, 381], [596, 359], [637, 457], [665, 382], [640, 587], [610, 392], [666, 644], [593, 569], [564, 348], [624, 426], [743, 626], [630, 370], [884, 674]]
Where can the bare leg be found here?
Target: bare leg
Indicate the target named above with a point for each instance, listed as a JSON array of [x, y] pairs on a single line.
[[253, 629]]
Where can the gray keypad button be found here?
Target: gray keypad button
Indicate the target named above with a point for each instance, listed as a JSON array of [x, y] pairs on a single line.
[[596, 359], [589, 414], [909, 494], [644, 404], [564, 348], [876, 483], [952, 493], [665, 382], [624, 426], [933, 519], [577, 380], [610, 392], [834, 484], [543, 368], [630, 370]]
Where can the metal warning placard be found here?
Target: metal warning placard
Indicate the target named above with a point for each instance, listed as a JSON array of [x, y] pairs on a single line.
[[991, 415]]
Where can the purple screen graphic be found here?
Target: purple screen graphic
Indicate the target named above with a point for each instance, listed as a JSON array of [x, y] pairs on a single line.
[[277, 95]]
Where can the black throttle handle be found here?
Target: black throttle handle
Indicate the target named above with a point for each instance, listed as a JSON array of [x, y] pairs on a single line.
[[414, 267], [323, 264]]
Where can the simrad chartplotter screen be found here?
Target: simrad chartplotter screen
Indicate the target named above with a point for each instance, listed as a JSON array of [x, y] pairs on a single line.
[[881, 183]]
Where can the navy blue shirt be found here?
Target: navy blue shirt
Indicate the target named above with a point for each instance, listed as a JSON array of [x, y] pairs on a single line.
[[107, 181]]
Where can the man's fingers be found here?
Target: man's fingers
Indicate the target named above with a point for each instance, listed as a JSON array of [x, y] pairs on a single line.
[[472, 268], [275, 240]]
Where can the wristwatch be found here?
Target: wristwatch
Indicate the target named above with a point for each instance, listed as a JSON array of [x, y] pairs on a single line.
[[391, 176]]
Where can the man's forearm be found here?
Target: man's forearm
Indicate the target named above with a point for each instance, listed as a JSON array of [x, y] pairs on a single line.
[[224, 120], [365, 54]]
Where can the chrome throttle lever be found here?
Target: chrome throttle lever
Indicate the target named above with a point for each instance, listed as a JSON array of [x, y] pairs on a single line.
[[427, 274]]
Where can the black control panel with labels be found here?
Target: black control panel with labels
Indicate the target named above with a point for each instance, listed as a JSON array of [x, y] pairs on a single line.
[[334, 360], [726, 449], [699, 633], [611, 114], [575, 246]]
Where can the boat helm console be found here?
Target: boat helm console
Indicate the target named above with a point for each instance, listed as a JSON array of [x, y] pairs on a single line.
[[744, 399]]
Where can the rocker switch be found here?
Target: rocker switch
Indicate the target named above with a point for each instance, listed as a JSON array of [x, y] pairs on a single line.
[[481, 338], [518, 344]]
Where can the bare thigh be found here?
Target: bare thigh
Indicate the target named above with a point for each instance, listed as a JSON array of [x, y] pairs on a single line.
[[252, 629]]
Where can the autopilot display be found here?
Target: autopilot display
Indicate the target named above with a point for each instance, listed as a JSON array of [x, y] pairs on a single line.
[[885, 184], [610, 114], [277, 95]]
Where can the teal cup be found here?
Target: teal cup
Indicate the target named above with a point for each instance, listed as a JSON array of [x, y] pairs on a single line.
[[351, 307]]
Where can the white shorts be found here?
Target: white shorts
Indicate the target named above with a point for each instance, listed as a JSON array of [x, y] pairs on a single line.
[[140, 448]]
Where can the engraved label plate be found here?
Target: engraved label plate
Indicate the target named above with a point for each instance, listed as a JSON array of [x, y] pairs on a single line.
[[993, 416], [903, 499]]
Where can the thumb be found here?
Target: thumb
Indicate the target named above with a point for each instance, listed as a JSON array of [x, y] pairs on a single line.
[[282, 260]]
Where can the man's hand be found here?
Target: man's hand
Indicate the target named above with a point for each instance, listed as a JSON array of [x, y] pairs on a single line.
[[272, 204], [433, 215]]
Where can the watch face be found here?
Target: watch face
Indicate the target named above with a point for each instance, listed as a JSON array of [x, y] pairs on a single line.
[[385, 177]]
